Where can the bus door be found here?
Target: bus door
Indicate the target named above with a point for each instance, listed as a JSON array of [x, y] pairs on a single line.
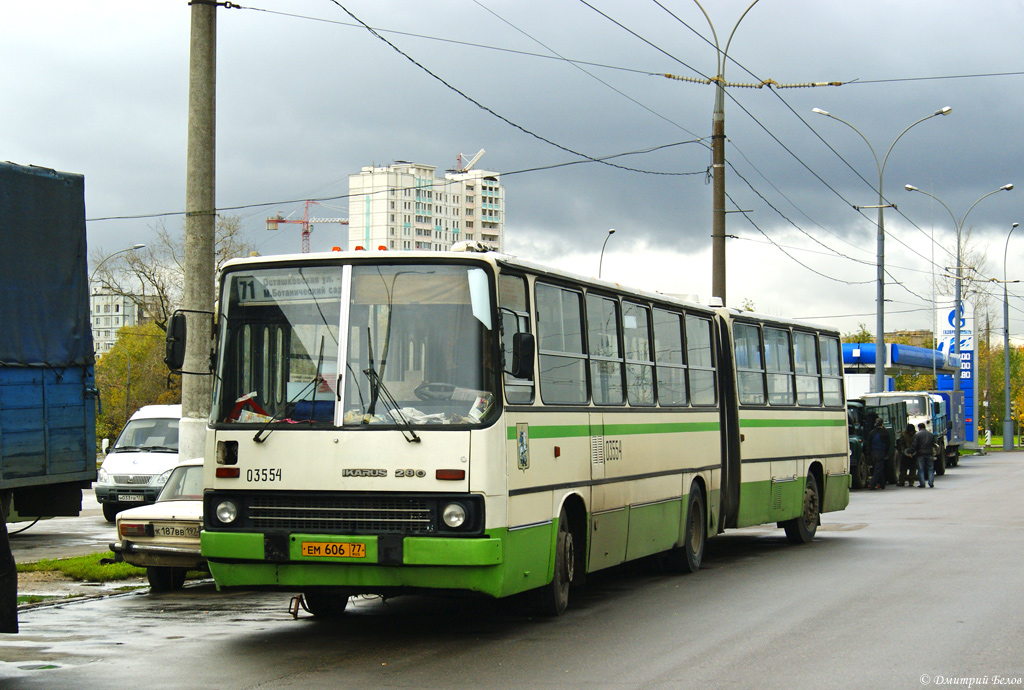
[[609, 512], [730, 426]]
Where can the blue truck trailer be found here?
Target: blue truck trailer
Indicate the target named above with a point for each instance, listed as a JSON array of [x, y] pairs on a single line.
[[47, 388]]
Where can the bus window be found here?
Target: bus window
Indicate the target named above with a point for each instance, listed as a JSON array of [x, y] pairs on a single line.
[[560, 345], [605, 356], [805, 355], [700, 361], [831, 372], [668, 353], [779, 364], [639, 366], [514, 319], [749, 365]]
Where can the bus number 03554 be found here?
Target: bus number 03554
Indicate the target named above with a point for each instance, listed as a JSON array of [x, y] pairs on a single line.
[[263, 475]]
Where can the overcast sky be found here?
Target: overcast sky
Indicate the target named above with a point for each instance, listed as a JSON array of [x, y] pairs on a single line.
[[308, 97]]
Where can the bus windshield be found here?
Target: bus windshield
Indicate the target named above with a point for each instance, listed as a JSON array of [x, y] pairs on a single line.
[[418, 345]]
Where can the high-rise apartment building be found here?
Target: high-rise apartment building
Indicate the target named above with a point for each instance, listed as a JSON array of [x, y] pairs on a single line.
[[405, 206], [109, 313]]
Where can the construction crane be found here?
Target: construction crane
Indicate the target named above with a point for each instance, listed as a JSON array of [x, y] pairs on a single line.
[[460, 167], [306, 223]]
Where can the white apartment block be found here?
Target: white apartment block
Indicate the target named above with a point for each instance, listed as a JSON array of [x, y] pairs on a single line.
[[109, 313], [405, 206]]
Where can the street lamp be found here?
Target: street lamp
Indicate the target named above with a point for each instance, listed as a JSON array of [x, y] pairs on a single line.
[[600, 264], [718, 161], [959, 224], [879, 380], [1007, 419], [111, 256]]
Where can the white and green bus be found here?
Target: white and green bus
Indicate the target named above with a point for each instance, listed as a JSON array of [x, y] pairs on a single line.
[[392, 422]]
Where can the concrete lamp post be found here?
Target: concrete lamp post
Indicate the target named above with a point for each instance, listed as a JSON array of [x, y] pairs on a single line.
[[959, 225], [878, 384], [1007, 418]]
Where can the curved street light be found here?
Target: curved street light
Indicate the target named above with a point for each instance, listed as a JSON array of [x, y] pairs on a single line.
[[111, 256], [1007, 419], [959, 224], [879, 379], [600, 263]]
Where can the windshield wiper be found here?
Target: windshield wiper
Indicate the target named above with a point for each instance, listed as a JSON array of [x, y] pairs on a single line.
[[403, 424], [160, 449], [120, 449], [289, 406]]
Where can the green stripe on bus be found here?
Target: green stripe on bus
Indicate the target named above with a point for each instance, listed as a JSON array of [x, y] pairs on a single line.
[[579, 430], [791, 422]]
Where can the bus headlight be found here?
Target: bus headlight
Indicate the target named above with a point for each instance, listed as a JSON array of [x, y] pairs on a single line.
[[454, 515], [227, 512]]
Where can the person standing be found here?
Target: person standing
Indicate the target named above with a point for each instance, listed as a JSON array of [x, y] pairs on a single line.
[[924, 449], [878, 446], [905, 452]]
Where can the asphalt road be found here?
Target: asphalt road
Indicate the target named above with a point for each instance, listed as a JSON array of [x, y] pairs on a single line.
[[907, 588]]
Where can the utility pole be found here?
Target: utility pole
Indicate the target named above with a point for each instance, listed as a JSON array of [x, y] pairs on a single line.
[[200, 218]]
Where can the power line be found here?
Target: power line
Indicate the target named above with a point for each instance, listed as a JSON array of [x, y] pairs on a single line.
[[485, 108], [320, 200]]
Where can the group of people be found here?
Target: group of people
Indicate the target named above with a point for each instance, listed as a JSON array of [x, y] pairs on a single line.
[[915, 453]]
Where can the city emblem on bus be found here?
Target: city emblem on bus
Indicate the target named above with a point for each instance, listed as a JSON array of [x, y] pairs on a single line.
[[523, 441]]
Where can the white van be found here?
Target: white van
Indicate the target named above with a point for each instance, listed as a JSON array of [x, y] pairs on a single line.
[[136, 467]]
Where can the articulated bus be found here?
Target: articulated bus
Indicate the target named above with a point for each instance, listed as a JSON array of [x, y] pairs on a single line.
[[396, 422]]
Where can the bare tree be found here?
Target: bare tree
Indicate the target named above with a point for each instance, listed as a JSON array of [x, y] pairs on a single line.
[[154, 278], [973, 270]]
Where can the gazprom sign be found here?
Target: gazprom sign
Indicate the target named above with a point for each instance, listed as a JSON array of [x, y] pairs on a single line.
[[945, 332]]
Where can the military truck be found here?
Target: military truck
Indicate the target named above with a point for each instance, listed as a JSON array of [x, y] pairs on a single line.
[[861, 418], [924, 407]]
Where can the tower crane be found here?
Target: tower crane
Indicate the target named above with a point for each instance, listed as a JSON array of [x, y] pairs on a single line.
[[306, 223], [466, 167]]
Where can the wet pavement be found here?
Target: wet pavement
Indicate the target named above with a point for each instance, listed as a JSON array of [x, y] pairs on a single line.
[[850, 609]]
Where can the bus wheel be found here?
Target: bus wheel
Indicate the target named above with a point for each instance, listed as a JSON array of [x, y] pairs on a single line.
[[800, 530], [553, 598], [163, 579], [688, 557], [325, 603]]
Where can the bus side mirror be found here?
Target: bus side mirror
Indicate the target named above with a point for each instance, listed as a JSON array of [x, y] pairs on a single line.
[[174, 356], [105, 446], [523, 348]]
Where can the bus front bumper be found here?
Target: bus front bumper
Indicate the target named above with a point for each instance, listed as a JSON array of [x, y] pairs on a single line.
[[258, 560]]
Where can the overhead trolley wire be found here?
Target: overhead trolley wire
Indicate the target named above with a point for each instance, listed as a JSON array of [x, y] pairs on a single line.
[[489, 110]]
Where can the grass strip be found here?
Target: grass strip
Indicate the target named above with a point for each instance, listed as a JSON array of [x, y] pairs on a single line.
[[86, 568]]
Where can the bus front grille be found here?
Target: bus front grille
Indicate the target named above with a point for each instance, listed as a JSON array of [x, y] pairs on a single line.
[[342, 514]]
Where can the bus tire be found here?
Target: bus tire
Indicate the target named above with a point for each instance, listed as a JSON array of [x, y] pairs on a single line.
[[163, 579], [553, 598], [688, 557], [801, 530], [325, 603]]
